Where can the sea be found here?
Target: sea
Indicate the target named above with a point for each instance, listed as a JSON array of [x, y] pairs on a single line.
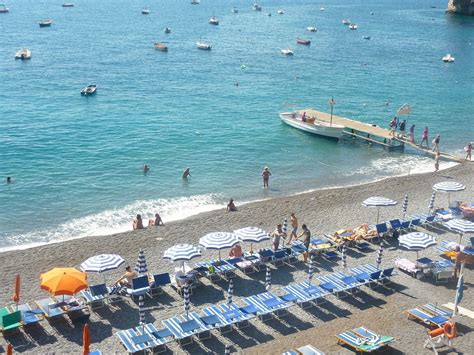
[[76, 162]]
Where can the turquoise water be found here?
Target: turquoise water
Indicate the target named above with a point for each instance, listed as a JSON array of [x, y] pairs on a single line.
[[77, 162]]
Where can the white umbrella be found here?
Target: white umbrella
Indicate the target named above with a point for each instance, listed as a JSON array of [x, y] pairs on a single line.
[[252, 235], [182, 252], [378, 202], [102, 263], [219, 241], [416, 241], [461, 226], [448, 187]]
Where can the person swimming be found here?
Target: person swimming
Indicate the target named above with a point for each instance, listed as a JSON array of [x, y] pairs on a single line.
[[186, 173], [146, 168]]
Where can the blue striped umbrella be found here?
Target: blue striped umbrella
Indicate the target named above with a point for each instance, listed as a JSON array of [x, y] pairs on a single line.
[[284, 229], [140, 266], [379, 255], [187, 301], [405, 206], [459, 291], [432, 202], [416, 241], [378, 202], [311, 268], [227, 349], [182, 252], [230, 291], [461, 226], [268, 278], [448, 187], [102, 263], [252, 235], [219, 241], [343, 256], [141, 310]]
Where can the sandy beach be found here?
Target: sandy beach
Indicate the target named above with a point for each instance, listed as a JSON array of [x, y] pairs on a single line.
[[324, 212]]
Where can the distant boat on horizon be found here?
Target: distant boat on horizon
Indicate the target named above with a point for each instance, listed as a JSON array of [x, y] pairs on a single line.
[[4, 9], [353, 26], [203, 45], [256, 7], [45, 23], [160, 46], [146, 11], [23, 54], [304, 41], [213, 20], [287, 52], [167, 30], [195, 2], [448, 58], [311, 29], [69, 4], [235, 10], [89, 90]]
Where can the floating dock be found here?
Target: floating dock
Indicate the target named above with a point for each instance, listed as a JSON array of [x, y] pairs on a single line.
[[373, 134]]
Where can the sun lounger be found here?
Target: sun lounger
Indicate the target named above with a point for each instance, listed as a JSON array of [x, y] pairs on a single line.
[[141, 338], [96, 295], [426, 317], [184, 328], [395, 225], [140, 286], [10, 322], [263, 310], [221, 269], [350, 280], [278, 258], [304, 294], [222, 323], [363, 343], [330, 255], [159, 280], [334, 286], [381, 229], [29, 317], [369, 334], [304, 350], [362, 246], [436, 310], [206, 323], [409, 267], [231, 312], [51, 309]]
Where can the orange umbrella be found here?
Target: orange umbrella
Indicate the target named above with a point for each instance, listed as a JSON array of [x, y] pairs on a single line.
[[9, 349], [64, 281], [16, 295], [86, 340]]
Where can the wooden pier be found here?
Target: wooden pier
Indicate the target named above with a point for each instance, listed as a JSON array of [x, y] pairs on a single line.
[[373, 134]]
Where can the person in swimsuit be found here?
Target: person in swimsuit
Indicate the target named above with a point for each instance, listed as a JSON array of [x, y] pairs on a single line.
[[412, 134], [424, 138], [138, 223], [294, 225], [276, 236], [306, 234], [468, 150], [266, 176], [186, 173], [126, 279], [155, 222], [231, 206]]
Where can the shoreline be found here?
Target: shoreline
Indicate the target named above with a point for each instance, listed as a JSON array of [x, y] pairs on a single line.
[[245, 203]]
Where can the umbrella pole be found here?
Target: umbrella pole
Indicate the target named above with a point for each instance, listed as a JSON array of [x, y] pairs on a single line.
[[460, 238], [378, 213]]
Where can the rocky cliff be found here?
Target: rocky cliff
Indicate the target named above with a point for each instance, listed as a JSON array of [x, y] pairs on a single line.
[[462, 7]]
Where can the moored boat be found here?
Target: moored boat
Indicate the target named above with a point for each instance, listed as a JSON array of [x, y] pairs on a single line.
[[203, 45], [311, 29], [4, 9], [353, 26], [45, 23], [23, 54], [280, 12], [167, 30], [256, 7], [448, 58], [346, 22], [89, 90], [68, 4], [287, 51], [322, 9], [159, 46], [213, 20], [304, 41], [235, 10], [195, 2], [312, 124], [146, 11]]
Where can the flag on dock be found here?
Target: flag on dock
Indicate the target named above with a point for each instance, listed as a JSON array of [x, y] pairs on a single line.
[[332, 102], [405, 109]]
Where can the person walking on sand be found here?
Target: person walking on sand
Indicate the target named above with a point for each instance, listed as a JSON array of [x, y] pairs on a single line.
[[266, 176], [424, 138], [468, 149], [412, 134], [306, 234], [437, 157], [294, 225], [436, 143], [186, 173]]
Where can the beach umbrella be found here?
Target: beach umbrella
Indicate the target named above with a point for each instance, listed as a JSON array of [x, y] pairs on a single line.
[[182, 252], [227, 349], [63, 281], [416, 241], [16, 294], [379, 255], [432, 201], [86, 340], [343, 256], [448, 187], [461, 226], [141, 310], [268, 278], [459, 291], [102, 263], [378, 202], [219, 241], [230, 291], [9, 349], [405, 206], [252, 235], [140, 266], [284, 229], [187, 301], [311, 268]]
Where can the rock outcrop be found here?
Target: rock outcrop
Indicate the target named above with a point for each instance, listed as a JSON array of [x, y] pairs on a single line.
[[462, 7]]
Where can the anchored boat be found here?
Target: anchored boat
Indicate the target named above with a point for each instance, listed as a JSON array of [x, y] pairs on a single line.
[[89, 90], [304, 41], [312, 124], [161, 47], [45, 23], [23, 54]]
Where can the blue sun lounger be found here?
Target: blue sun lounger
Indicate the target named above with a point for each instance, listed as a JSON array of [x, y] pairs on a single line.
[[231, 312], [143, 338], [184, 328], [140, 286], [334, 285], [206, 324], [315, 291], [159, 281], [296, 295], [436, 310], [426, 317], [29, 317], [349, 280], [385, 274], [266, 307], [50, 309], [96, 295], [363, 343], [223, 324]]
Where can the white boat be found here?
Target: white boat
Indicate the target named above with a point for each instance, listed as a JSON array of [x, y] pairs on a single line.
[[4, 9], [213, 20], [167, 30], [311, 29], [312, 125], [203, 45], [353, 26], [287, 51], [235, 10], [23, 54], [281, 12], [146, 11], [322, 9], [256, 7], [68, 4], [89, 90], [195, 2], [46, 23], [366, 37], [448, 58], [346, 22]]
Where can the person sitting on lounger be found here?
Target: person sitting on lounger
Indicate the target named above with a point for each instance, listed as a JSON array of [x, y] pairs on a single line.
[[155, 222], [126, 279], [236, 251], [138, 223]]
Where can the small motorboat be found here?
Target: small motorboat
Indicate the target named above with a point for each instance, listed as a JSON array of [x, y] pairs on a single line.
[[346, 22], [280, 12], [213, 20], [4, 9], [353, 26], [311, 29], [160, 46], [203, 45], [235, 10], [306, 42], [366, 37], [146, 11], [167, 30], [256, 7], [287, 51], [45, 23], [269, 14], [322, 9], [23, 54], [68, 4], [448, 58], [89, 90], [312, 124], [195, 2]]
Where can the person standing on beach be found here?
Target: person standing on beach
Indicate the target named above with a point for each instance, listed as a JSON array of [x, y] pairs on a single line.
[[306, 234], [412, 134], [276, 236], [460, 258], [294, 225], [436, 143], [437, 157], [424, 138], [186, 173], [266, 176], [468, 150]]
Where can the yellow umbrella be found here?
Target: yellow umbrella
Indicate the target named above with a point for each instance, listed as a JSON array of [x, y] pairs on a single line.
[[64, 281]]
